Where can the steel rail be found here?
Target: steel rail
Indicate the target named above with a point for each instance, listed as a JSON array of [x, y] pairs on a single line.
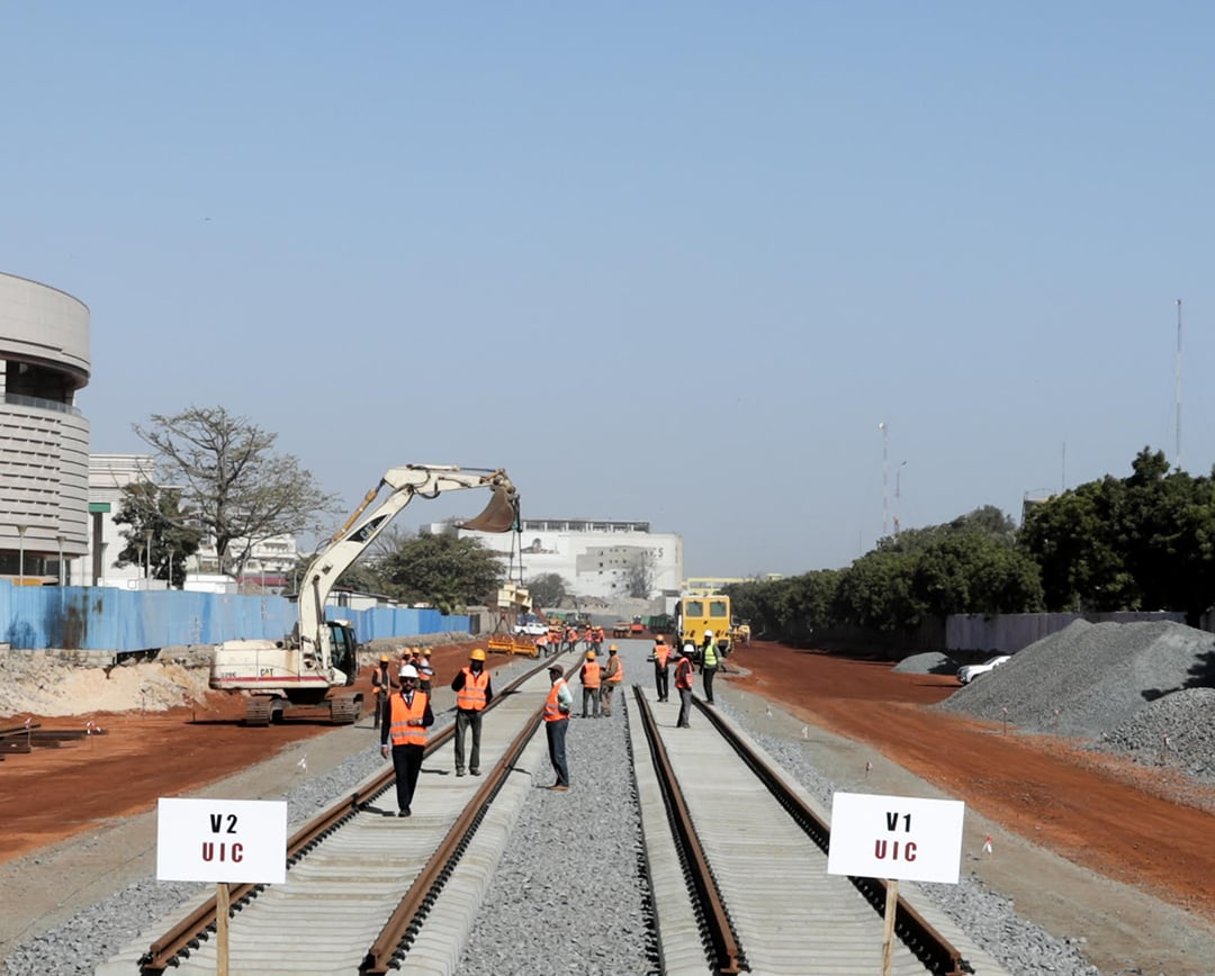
[[197, 925], [928, 945], [393, 942], [716, 927]]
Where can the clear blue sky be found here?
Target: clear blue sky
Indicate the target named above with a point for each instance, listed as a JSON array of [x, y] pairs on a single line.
[[668, 261]]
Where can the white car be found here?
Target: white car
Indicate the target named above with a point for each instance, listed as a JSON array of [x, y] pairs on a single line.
[[531, 629], [967, 673]]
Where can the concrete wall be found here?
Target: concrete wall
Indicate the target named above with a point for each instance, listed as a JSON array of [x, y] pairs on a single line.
[[1009, 632]]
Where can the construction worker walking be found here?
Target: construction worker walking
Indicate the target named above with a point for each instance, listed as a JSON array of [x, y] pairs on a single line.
[[662, 654], [474, 691], [613, 674], [589, 675], [408, 717], [683, 685]]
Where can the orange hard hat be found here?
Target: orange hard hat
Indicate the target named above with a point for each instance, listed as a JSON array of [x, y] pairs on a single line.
[[383, 658]]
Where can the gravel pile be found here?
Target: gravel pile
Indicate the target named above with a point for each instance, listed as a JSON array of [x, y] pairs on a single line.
[[1177, 732], [1023, 948], [1090, 678], [930, 662]]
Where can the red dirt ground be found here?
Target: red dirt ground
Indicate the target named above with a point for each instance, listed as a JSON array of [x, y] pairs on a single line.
[[50, 794], [1107, 814]]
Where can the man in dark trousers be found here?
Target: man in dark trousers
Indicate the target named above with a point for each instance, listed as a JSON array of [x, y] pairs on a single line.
[[662, 654], [556, 723], [474, 692], [683, 685], [406, 720]]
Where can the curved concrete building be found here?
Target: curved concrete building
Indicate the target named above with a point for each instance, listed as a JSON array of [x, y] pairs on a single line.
[[44, 438]]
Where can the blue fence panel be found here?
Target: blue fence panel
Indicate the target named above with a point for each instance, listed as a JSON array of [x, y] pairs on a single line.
[[103, 618]]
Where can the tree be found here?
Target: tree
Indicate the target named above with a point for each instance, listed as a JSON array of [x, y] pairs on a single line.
[[241, 491], [444, 570], [975, 572], [639, 575], [547, 590], [157, 523]]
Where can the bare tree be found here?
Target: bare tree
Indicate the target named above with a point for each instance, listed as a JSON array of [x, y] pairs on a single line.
[[240, 492], [640, 573]]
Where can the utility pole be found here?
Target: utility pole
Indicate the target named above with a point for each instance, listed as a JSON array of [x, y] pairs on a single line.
[[885, 479]]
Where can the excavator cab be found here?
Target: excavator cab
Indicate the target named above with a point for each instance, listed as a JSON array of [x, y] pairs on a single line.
[[343, 648]]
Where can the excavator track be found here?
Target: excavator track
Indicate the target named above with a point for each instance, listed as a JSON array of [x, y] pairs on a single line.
[[345, 709], [259, 710]]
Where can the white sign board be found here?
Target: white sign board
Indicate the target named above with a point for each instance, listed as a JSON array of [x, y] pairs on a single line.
[[896, 837], [235, 841]]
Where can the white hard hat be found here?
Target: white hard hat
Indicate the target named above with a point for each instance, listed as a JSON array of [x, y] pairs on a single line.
[[409, 671], [708, 633]]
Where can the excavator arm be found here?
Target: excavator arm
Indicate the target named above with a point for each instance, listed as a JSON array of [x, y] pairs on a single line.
[[352, 539]]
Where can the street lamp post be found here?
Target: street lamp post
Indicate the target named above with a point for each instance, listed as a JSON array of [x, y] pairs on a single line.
[[148, 538], [59, 540], [21, 554]]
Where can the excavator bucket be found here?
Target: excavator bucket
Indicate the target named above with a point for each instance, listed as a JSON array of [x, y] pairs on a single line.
[[499, 514]]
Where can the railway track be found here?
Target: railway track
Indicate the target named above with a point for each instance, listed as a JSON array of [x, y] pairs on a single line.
[[737, 870], [361, 885], [752, 851]]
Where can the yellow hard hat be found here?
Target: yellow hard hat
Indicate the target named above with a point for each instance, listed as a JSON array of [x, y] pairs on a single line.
[[383, 657], [612, 647], [590, 655], [659, 639], [477, 654]]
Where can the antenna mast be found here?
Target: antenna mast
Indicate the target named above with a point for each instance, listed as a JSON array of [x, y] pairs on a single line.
[[1177, 455]]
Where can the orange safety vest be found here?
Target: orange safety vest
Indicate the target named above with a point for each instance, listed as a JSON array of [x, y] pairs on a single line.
[[471, 698], [590, 674], [552, 711], [619, 674], [401, 733], [683, 673], [661, 654]]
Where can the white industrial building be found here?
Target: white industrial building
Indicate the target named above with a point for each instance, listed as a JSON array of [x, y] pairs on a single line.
[[44, 438], [599, 558]]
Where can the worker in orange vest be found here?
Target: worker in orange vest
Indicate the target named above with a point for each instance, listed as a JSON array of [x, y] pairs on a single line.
[[588, 637], [683, 684], [597, 639], [662, 654], [474, 692], [613, 674], [382, 682], [405, 724], [589, 675], [556, 724]]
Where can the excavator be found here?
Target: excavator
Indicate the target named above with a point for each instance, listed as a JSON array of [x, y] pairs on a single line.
[[312, 665]]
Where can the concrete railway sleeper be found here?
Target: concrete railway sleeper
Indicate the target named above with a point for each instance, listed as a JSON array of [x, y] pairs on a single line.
[[755, 864], [359, 879]]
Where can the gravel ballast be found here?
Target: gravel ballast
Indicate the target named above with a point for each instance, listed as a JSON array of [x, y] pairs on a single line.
[[570, 889]]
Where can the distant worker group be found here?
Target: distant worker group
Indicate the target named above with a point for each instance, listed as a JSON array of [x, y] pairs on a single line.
[[404, 712]]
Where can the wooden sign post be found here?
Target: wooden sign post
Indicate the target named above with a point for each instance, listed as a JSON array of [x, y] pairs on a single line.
[[893, 837], [225, 841]]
